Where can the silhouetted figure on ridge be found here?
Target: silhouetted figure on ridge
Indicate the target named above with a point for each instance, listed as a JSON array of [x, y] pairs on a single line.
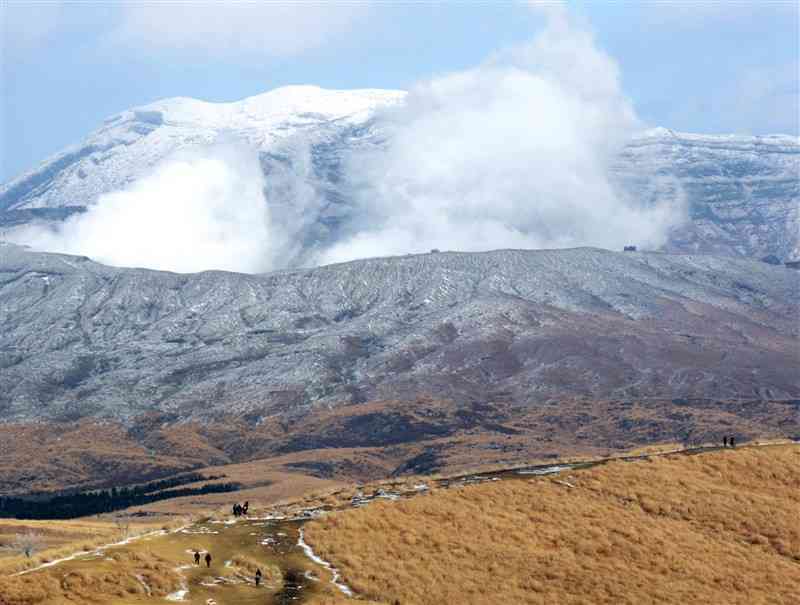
[[197, 557], [725, 441], [208, 559], [245, 507], [731, 441], [258, 578]]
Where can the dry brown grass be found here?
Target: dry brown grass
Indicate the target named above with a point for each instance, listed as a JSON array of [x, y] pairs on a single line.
[[128, 575], [717, 527], [64, 538], [454, 435], [59, 538], [39, 457]]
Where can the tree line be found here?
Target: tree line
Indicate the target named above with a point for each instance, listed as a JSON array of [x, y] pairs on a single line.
[[81, 504]]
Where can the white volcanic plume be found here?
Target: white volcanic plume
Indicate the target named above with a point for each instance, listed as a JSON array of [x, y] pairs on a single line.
[[200, 209], [512, 153]]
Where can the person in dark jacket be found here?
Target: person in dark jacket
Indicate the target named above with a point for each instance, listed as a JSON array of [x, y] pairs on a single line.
[[731, 441], [725, 441], [208, 559], [258, 577], [197, 557]]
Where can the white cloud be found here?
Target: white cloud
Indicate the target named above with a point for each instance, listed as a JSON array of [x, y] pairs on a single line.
[[201, 209], [24, 25], [765, 98], [219, 28], [703, 14], [512, 153]]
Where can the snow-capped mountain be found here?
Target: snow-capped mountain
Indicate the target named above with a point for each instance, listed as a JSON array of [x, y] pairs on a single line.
[[130, 143], [742, 191]]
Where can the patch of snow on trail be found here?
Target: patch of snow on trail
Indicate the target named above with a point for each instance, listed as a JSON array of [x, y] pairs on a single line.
[[309, 552], [144, 584], [178, 595], [544, 471]]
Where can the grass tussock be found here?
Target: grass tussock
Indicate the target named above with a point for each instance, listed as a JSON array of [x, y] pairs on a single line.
[[717, 527]]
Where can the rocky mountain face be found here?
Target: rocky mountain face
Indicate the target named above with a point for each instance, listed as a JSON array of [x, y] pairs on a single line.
[[81, 339], [742, 192]]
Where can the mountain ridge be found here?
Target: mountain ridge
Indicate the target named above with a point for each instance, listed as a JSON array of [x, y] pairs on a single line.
[[83, 339]]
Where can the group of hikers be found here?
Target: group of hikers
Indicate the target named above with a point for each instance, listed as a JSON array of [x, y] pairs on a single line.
[[240, 509], [257, 577], [728, 441], [197, 558]]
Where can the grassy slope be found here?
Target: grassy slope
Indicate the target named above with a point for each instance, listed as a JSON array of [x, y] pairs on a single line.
[[719, 527]]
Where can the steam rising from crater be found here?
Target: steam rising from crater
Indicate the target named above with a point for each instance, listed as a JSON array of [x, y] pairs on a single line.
[[201, 209], [512, 153]]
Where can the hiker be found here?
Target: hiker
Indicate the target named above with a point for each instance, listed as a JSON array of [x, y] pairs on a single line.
[[245, 507], [725, 441], [258, 578], [236, 509], [731, 441], [208, 559], [197, 557]]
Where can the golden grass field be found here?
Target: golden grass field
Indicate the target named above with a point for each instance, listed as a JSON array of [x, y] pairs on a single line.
[[721, 527]]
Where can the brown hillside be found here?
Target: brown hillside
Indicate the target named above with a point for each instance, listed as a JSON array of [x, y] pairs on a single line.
[[367, 441], [719, 527]]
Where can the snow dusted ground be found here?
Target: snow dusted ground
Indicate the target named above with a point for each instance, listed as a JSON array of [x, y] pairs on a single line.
[[117, 342]]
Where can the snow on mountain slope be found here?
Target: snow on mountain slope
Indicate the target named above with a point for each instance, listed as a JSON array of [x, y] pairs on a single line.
[[80, 338], [742, 191], [130, 143]]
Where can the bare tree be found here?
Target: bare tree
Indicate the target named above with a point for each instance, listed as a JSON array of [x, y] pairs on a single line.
[[124, 526], [27, 544]]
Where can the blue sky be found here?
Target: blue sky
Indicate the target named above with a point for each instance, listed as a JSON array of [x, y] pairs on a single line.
[[703, 67]]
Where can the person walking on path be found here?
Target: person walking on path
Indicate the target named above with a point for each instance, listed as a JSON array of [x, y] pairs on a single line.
[[197, 557], [731, 441], [208, 559], [725, 441], [258, 578]]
